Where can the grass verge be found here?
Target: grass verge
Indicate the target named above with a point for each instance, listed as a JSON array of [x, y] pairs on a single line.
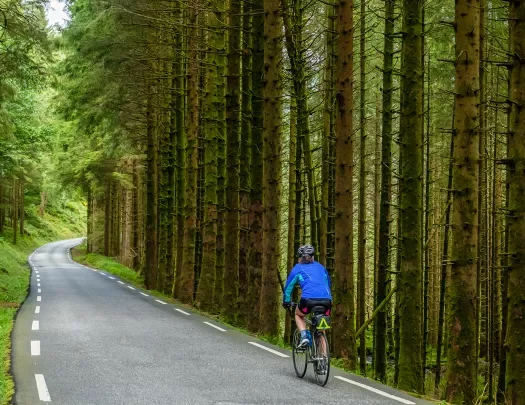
[[15, 272]]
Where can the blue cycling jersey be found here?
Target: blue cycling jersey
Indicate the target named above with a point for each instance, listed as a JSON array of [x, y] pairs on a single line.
[[313, 279]]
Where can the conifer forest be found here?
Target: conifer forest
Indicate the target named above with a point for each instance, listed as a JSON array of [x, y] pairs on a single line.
[[209, 139]]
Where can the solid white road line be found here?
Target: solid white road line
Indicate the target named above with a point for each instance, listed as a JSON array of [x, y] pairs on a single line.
[[130, 287], [161, 302], [39, 290], [35, 325], [181, 311], [385, 394], [118, 281], [37, 309], [145, 295], [39, 298], [215, 326], [268, 349], [113, 278], [35, 348], [43, 392]]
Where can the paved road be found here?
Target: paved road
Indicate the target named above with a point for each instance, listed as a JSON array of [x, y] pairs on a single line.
[[85, 337]]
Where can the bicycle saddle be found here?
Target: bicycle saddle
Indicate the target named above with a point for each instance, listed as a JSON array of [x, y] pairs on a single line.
[[318, 310]]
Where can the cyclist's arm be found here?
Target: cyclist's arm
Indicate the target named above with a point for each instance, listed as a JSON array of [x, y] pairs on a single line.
[[291, 281]]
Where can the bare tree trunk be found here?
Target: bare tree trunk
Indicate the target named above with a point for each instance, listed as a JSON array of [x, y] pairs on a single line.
[[461, 375], [343, 286], [190, 228], [272, 93], [380, 328], [515, 375]]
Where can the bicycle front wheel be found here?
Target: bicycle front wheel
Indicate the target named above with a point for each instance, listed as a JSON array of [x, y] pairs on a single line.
[[300, 355], [322, 359]]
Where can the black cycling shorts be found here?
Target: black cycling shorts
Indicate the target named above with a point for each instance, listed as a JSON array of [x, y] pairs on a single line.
[[306, 305]]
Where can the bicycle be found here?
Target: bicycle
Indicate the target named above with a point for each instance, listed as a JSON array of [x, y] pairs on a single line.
[[318, 352]]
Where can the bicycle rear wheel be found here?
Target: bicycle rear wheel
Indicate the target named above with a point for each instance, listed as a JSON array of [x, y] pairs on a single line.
[[322, 356], [300, 355]]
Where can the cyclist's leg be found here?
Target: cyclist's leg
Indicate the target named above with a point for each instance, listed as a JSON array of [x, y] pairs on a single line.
[[299, 319]]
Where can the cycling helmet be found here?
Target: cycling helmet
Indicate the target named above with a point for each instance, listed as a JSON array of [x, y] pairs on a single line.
[[306, 250]]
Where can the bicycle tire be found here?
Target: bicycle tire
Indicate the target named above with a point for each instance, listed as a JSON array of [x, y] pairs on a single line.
[[300, 356], [322, 363]]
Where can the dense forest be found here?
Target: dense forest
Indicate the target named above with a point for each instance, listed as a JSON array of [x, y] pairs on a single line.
[[211, 138]]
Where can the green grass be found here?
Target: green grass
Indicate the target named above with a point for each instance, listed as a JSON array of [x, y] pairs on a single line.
[[63, 223]]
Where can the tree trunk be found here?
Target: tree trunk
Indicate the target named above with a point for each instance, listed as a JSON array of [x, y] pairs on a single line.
[[361, 243], [386, 194], [410, 201], [461, 374], [515, 376], [444, 263], [244, 168], [343, 286], [22, 208], [204, 298], [255, 255], [328, 133], [192, 153], [233, 88], [292, 194], [272, 93], [150, 270]]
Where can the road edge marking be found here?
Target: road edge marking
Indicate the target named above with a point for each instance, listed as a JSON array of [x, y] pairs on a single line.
[[377, 391], [268, 349], [161, 302], [215, 326], [35, 348], [35, 325], [182, 312], [41, 386]]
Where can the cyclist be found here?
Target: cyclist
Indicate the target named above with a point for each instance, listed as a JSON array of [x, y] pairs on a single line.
[[315, 288]]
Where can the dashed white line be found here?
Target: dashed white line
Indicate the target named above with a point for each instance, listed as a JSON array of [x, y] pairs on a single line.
[[181, 311], [39, 290], [130, 287], [385, 394], [35, 348], [268, 349], [39, 298], [215, 326], [38, 284], [103, 273], [113, 278], [161, 302], [118, 281], [36, 271], [145, 295], [37, 309], [43, 392], [35, 325]]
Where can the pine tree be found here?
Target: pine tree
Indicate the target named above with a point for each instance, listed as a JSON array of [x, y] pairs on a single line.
[[272, 92], [411, 136], [343, 284], [515, 375], [461, 371]]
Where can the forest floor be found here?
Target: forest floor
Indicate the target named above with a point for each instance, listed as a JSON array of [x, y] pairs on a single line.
[[66, 222]]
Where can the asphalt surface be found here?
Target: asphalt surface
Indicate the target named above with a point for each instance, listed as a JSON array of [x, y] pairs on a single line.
[[102, 342]]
